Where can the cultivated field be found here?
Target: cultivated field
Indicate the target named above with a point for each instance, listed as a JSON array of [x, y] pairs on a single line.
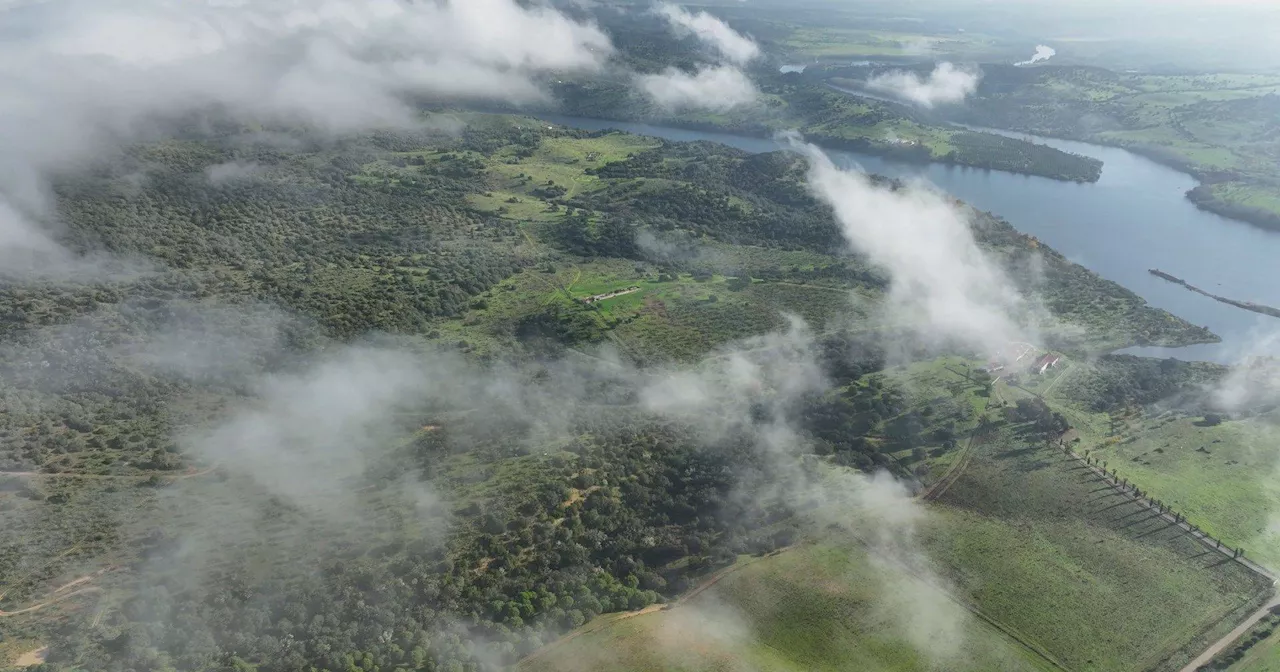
[[815, 607]]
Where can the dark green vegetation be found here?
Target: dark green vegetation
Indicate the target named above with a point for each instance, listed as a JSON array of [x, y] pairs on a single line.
[[795, 102], [480, 244]]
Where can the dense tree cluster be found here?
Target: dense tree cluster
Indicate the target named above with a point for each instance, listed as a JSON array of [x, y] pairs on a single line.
[[1124, 380]]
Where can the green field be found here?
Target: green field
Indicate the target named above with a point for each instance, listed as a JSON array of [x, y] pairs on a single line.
[[1220, 476], [836, 42], [824, 606], [1038, 544]]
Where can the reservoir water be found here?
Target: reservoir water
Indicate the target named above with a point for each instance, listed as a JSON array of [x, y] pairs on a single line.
[[1135, 218]]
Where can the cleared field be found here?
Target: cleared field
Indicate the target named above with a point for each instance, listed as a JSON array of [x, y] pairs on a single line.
[[827, 606], [1222, 477], [853, 42], [1040, 544], [672, 316]]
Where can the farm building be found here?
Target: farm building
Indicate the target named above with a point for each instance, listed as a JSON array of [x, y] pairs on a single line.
[[1046, 362]]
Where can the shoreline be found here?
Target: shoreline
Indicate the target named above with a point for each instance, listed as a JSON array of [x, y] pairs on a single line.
[[1259, 308], [761, 131], [839, 144], [1267, 221]]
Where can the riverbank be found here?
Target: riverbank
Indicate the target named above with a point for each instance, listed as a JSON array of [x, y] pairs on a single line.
[[983, 151], [1134, 218], [1202, 195], [1244, 305]]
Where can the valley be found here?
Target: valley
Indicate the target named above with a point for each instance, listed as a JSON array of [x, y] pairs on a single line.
[[589, 337]]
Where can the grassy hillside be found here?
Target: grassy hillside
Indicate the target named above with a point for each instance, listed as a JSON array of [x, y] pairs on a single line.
[[813, 607], [1040, 545]]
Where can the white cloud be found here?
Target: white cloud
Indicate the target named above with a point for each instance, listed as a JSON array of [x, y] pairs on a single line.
[[79, 76], [731, 44], [1043, 53], [716, 88], [309, 436], [942, 284], [231, 171], [946, 84]]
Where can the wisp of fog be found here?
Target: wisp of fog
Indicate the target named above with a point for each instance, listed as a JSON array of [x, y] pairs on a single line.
[[946, 84], [942, 284], [78, 78], [717, 87]]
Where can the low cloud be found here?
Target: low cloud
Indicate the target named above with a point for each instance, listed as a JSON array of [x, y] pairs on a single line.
[[942, 285], [78, 78], [720, 87], [1043, 53], [732, 45], [716, 88], [231, 171], [946, 84], [1253, 382], [754, 390], [310, 436]]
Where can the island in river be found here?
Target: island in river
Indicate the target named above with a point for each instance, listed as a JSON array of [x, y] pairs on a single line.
[[1247, 305]]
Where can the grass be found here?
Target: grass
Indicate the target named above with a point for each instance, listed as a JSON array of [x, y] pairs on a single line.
[[1220, 477], [1248, 195], [1264, 656], [823, 606], [835, 42], [1025, 536], [1038, 544]]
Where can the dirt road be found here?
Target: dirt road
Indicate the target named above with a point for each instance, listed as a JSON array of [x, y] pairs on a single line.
[[46, 603], [60, 593], [1222, 644]]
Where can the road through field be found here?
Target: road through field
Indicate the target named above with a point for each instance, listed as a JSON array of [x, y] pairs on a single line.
[[1228, 554], [1221, 645]]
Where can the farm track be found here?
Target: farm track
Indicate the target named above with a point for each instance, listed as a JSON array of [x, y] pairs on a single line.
[[955, 472], [1230, 638], [60, 593], [1209, 543]]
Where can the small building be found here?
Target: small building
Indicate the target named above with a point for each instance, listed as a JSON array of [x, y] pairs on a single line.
[[1046, 362]]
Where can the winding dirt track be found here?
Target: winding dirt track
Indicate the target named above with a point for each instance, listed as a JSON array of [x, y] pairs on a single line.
[[46, 603], [60, 593]]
